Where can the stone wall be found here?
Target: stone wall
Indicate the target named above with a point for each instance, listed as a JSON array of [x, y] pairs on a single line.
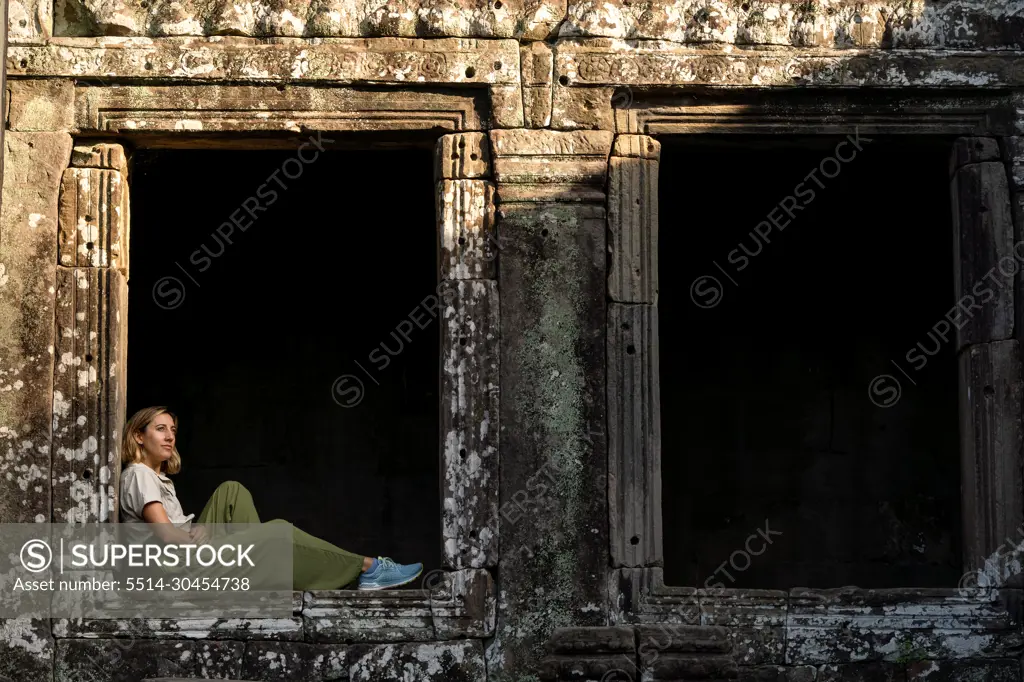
[[546, 118]]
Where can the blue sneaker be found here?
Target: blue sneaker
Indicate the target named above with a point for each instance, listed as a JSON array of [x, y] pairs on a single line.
[[387, 574]]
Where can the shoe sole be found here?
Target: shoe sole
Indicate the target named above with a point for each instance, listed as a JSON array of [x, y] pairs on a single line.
[[388, 587]]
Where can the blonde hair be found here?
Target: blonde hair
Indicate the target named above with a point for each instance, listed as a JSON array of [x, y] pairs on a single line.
[[131, 451]]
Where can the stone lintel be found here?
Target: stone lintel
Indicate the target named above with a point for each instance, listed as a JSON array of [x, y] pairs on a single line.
[[411, 61]]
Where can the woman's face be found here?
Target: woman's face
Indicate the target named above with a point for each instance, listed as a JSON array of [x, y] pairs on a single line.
[[157, 440]]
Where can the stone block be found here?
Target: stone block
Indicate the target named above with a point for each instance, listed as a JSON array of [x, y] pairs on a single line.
[[463, 604], [93, 220], [268, 661], [861, 672], [633, 219], [351, 616], [116, 660], [37, 105]]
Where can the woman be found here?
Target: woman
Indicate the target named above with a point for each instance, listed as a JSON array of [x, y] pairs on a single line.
[[148, 496]]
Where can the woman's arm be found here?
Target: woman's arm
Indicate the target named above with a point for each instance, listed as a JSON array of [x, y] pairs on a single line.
[[155, 513]]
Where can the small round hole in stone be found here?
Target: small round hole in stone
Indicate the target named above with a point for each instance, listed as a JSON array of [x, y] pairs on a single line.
[[462, 453], [462, 241], [23, 23], [462, 143], [88, 218], [625, 326], [473, 157], [988, 390], [88, 357], [745, 7], [564, 80], [630, 349], [463, 340], [497, 4], [147, 66], [87, 474], [23, 63], [497, 66], [634, 540], [544, 232], [455, 156], [88, 246], [470, 72]]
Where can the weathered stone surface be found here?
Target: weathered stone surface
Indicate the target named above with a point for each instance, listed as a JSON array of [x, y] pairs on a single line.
[[552, 275], [465, 216], [537, 64], [33, 164], [462, 156], [581, 108], [227, 108], [301, 18], [507, 106], [89, 386], [461, 661], [117, 660], [26, 650], [37, 105], [469, 424], [634, 436], [615, 62], [754, 621], [396, 60], [633, 219], [182, 628], [263, 660], [999, 670], [842, 24], [29, 21], [463, 604], [861, 672], [93, 220], [850, 625], [351, 616], [984, 256], [990, 451]]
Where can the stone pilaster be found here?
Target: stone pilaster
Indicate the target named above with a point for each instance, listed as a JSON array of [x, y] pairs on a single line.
[[553, 476]]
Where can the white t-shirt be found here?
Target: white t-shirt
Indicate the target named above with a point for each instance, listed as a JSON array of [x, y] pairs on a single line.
[[140, 485]]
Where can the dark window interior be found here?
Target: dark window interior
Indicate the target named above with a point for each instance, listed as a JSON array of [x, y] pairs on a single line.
[[248, 358], [766, 415]]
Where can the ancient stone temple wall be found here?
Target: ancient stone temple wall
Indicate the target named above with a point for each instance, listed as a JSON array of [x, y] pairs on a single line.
[[545, 119]]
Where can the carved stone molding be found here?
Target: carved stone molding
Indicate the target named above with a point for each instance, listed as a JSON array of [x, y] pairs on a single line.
[[806, 626], [545, 165], [249, 108], [464, 61], [457, 604], [598, 62], [816, 112]]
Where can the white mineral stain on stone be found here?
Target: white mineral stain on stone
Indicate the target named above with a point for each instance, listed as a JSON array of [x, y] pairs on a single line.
[[188, 124], [34, 219]]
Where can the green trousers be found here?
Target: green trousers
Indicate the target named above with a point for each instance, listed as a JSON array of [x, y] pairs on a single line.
[[316, 563]]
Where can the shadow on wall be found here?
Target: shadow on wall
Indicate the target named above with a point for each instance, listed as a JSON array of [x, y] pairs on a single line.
[[243, 333]]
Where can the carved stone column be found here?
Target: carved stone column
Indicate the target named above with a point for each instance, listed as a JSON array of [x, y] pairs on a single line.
[[554, 547], [469, 348], [634, 417], [989, 365], [91, 337]]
